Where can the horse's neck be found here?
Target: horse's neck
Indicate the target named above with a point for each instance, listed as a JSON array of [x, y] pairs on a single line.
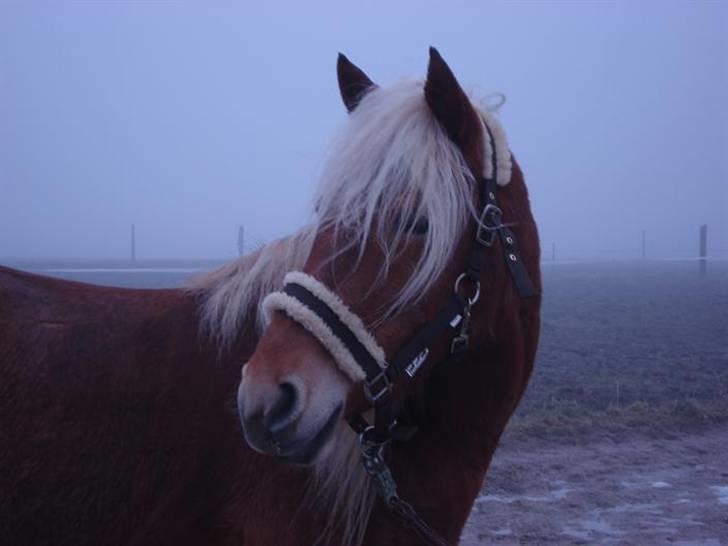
[[467, 404]]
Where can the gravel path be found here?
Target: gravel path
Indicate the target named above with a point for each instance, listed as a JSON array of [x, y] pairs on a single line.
[[636, 491]]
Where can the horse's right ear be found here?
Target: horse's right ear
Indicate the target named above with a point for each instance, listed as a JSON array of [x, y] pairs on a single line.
[[353, 83]]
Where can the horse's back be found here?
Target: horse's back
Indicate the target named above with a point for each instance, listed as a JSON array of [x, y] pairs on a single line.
[[47, 301], [104, 402], [58, 330]]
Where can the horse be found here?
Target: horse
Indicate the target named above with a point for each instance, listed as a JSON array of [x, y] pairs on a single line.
[[127, 418]]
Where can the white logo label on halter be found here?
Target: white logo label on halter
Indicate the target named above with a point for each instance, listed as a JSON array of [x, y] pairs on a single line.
[[416, 362], [455, 321]]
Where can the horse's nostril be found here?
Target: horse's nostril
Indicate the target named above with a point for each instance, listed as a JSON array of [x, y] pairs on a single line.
[[283, 411]]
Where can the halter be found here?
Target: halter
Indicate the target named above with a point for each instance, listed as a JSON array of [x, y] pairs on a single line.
[[357, 353]]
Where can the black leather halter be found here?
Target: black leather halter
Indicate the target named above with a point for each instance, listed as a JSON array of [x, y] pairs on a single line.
[[453, 319]]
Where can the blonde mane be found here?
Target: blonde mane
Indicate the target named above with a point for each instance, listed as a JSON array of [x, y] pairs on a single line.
[[231, 295], [391, 158]]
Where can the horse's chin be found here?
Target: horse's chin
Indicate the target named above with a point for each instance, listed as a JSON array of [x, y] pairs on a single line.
[[312, 448], [300, 451]]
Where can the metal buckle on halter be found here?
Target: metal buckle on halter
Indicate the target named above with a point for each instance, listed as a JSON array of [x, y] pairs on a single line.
[[459, 344], [373, 390], [486, 232]]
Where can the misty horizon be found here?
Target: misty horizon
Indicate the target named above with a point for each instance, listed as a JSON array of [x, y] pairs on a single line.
[[190, 121]]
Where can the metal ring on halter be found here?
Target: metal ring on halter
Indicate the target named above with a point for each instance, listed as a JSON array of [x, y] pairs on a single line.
[[458, 282]]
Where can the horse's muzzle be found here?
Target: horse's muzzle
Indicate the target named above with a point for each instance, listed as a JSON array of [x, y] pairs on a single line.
[[276, 424]]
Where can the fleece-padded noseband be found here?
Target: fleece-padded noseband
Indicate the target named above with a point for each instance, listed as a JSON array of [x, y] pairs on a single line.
[[310, 303]]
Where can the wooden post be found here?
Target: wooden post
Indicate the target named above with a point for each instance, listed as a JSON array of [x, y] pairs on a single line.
[[644, 245], [703, 250], [133, 244], [241, 241]]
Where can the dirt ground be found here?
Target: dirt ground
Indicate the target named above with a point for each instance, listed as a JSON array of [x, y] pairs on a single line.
[[622, 436], [638, 491]]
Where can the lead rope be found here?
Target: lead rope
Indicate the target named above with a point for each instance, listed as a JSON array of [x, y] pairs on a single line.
[[376, 467]]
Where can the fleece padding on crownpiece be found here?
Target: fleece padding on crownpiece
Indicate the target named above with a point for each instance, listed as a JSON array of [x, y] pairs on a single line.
[[502, 152]]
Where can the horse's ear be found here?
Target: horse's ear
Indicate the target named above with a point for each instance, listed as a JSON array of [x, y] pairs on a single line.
[[353, 83], [453, 110]]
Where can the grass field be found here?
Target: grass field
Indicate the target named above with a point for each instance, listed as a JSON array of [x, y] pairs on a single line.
[[627, 344], [622, 436]]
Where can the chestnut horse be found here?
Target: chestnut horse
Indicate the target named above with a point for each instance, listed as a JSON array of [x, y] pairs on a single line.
[[117, 418]]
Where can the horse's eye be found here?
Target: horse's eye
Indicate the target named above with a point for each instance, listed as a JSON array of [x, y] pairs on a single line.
[[415, 225]]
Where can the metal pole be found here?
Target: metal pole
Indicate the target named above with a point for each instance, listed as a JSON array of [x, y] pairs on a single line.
[[703, 250], [241, 241]]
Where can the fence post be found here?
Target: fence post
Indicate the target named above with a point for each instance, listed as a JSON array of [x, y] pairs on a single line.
[[133, 244], [241, 241], [703, 250]]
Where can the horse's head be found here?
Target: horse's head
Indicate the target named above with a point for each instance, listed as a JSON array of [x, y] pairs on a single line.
[[392, 234]]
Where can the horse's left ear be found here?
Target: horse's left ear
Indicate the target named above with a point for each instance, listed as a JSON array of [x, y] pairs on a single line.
[[353, 83], [453, 110]]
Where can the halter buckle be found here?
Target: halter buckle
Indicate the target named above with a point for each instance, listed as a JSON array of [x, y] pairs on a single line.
[[459, 344], [488, 224], [378, 387]]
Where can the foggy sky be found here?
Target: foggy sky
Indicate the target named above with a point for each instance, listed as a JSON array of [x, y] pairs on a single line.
[[189, 119]]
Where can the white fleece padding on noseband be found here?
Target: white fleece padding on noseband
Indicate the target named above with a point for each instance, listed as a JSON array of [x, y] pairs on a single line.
[[502, 152], [280, 301]]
